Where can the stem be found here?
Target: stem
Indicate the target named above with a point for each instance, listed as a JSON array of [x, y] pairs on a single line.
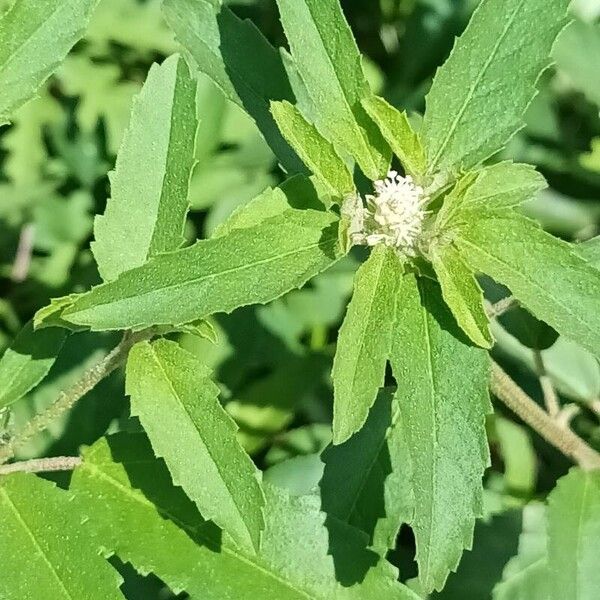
[[501, 307], [41, 465], [66, 400], [564, 439], [550, 397]]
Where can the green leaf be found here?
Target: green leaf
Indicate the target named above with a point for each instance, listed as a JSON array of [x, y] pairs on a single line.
[[497, 188], [296, 192], [574, 536], [590, 251], [364, 341], [479, 96], [28, 361], [241, 62], [172, 393], [318, 154], [544, 273], [249, 266], [525, 576], [443, 400], [44, 551], [329, 64], [146, 213], [398, 133], [462, 294], [135, 513], [34, 38], [367, 480]]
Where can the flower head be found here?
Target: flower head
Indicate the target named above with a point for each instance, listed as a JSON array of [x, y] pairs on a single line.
[[394, 215]]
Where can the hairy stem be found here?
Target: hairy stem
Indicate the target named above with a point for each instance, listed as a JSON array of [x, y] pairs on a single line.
[[42, 465], [550, 396], [67, 399], [564, 439], [501, 307]]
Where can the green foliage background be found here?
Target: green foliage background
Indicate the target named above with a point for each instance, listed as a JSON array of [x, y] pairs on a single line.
[[273, 362]]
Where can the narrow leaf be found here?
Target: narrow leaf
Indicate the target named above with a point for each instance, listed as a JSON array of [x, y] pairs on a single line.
[[38, 525], [462, 294], [318, 154], [443, 400], [28, 361], [137, 515], [367, 480], [479, 95], [35, 37], [249, 266], [574, 536], [329, 64], [364, 342], [544, 273], [177, 403], [399, 134], [497, 188], [146, 214], [235, 55]]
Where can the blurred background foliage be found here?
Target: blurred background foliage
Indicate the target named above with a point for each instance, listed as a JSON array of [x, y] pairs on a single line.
[[273, 362]]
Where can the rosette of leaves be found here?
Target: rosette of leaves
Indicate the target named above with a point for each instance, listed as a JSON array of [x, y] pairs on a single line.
[[424, 314]]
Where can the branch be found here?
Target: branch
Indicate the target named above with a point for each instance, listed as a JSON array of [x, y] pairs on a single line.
[[66, 400], [564, 439], [550, 397], [41, 465]]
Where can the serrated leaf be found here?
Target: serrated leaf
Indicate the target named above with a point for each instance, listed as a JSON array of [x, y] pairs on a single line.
[[130, 498], [462, 294], [500, 187], [28, 361], [318, 154], [146, 214], [364, 341], [249, 266], [296, 192], [177, 403], [367, 480], [38, 525], [398, 133], [241, 62], [479, 95], [329, 64], [544, 273], [443, 400], [34, 38], [574, 536]]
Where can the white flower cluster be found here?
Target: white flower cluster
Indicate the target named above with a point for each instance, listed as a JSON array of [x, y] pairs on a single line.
[[393, 216]]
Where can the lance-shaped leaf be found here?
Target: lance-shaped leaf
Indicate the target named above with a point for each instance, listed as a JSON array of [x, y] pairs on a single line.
[[462, 294], [399, 134], [544, 273], [574, 536], [44, 551], [177, 403], [249, 266], [479, 96], [146, 213], [329, 64], [500, 187], [443, 400], [236, 56], [318, 154], [135, 513], [364, 341], [34, 39], [28, 361], [367, 480]]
